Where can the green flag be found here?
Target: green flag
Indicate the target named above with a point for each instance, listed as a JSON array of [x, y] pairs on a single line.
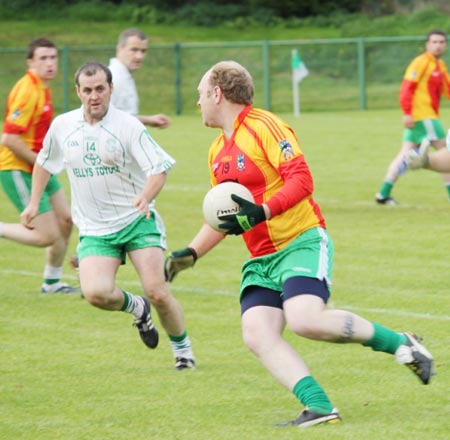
[[299, 70]]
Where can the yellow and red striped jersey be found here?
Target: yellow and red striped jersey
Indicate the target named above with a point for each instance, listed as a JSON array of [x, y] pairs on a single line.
[[425, 80], [29, 112], [264, 155]]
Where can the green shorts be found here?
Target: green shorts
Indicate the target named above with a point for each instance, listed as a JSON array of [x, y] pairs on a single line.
[[430, 129], [17, 186], [140, 234], [309, 255]]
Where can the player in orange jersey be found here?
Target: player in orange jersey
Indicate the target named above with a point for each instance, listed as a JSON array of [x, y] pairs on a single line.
[[425, 81], [286, 281], [29, 112]]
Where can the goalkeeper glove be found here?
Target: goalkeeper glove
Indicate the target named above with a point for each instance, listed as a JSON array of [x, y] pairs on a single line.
[[248, 217], [416, 159], [178, 261]]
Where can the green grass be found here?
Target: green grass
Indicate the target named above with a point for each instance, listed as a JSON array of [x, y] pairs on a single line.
[[69, 371], [88, 32]]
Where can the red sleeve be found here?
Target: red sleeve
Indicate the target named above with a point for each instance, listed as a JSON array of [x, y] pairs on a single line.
[[298, 184], [11, 128], [407, 90]]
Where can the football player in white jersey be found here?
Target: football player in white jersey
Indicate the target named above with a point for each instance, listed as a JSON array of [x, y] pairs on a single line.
[[115, 170], [131, 50]]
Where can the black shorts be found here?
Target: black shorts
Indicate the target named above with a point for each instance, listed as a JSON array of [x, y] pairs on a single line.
[[260, 296]]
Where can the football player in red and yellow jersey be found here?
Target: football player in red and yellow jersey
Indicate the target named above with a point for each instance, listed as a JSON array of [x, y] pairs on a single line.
[[426, 79], [287, 279], [29, 112]]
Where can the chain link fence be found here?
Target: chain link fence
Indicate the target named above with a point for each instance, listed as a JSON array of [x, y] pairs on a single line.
[[344, 74]]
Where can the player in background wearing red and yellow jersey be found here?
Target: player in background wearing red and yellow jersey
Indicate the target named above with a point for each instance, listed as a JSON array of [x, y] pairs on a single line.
[[426, 80], [287, 279], [29, 112]]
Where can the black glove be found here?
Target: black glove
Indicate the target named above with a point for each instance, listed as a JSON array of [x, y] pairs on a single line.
[[178, 261], [248, 217]]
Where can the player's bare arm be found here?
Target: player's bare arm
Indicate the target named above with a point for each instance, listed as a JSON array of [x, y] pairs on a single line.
[[408, 121], [15, 143], [160, 120], [205, 240], [152, 188], [39, 182], [28, 215]]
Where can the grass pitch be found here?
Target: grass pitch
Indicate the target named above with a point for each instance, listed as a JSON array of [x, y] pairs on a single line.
[[72, 372]]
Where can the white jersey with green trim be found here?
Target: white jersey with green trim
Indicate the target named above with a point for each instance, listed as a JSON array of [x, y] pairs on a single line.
[[107, 164]]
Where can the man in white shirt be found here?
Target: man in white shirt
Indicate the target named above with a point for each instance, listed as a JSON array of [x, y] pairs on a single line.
[[115, 171], [130, 53]]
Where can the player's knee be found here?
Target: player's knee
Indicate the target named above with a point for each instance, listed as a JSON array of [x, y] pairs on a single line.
[[93, 299], [251, 342], [45, 238], [98, 292], [159, 297], [254, 340], [96, 298]]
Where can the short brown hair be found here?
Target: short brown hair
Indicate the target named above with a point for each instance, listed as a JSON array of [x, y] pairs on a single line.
[[132, 32], [437, 32], [90, 69], [36, 43], [234, 80]]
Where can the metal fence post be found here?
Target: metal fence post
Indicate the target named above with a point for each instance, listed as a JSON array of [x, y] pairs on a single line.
[[177, 61], [362, 74], [65, 75], [266, 74]]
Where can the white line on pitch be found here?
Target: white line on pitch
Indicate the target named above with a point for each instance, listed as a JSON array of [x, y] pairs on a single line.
[[207, 291], [398, 313]]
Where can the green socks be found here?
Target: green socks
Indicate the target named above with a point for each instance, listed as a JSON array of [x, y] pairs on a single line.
[[312, 395], [386, 189], [448, 189], [51, 280], [384, 339]]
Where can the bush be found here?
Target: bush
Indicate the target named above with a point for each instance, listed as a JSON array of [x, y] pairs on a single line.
[[200, 13], [203, 14], [150, 15]]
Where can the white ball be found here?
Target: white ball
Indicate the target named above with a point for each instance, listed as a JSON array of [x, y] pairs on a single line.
[[218, 202]]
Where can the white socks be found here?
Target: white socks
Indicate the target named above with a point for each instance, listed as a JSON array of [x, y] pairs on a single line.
[[52, 273]]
